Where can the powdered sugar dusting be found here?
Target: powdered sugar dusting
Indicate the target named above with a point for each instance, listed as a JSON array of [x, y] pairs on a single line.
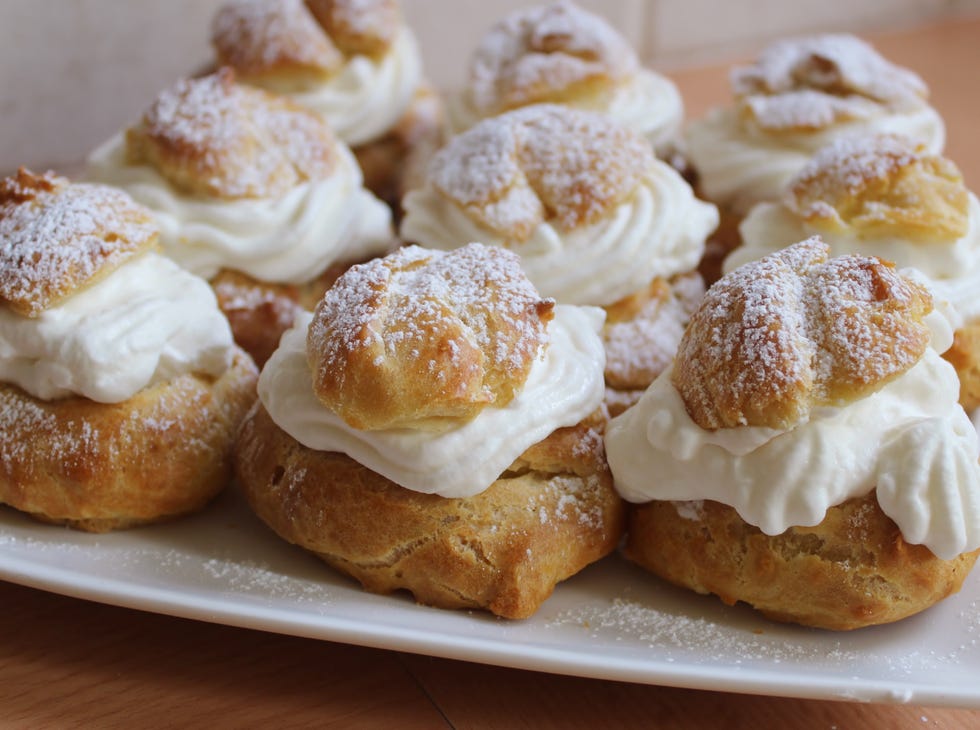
[[472, 310], [56, 236], [513, 171], [256, 35], [358, 26], [536, 54], [794, 330], [846, 166], [574, 501], [640, 348], [812, 82], [883, 184], [213, 136]]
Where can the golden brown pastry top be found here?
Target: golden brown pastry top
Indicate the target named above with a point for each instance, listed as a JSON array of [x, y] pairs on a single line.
[[553, 53], [880, 185], [299, 43], [809, 83], [420, 336], [217, 139], [795, 330], [544, 162], [58, 237]]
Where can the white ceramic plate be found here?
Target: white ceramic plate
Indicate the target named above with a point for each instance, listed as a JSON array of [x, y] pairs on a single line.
[[612, 621]]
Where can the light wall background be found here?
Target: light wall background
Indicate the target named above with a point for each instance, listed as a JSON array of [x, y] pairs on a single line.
[[74, 71]]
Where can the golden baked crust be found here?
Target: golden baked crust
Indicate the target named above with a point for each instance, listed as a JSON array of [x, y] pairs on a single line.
[[543, 162], [854, 569], [259, 312], [97, 467], [57, 238], [794, 330], [556, 53], [296, 44], [550, 515], [882, 185], [359, 27], [642, 332], [421, 336], [806, 84], [214, 138]]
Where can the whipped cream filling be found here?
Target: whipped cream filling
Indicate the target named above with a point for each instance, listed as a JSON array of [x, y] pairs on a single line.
[[952, 267], [290, 239], [910, 441], [368, 97], [564, 386], [647, 103], [147, 322], [741, 165], [660, 231]]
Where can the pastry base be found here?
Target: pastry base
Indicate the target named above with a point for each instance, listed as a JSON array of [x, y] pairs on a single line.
[[852, 570], [551, 514], [98, 467]]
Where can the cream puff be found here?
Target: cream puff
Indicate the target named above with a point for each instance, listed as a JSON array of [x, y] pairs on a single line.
[[806, 452], [796, 97], [357, 64], [887, 196], [562, 54], [243, 181], [432, 427], [596, 218], [121, 388]]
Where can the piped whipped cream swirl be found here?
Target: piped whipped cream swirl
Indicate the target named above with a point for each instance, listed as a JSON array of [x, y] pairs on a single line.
[[564, 386], [741, 164], [290, 239], [368, 96], [659, 231], [910, 441], [147, 322], [953, 267]]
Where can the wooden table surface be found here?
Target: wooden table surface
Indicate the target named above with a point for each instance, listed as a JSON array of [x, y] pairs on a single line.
[[71, 663]]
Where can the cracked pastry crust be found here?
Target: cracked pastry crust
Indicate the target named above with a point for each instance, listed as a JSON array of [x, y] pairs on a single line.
[[511, 173], [419, 336], [641, 334], [259, 312], [794, 330], [214, 138], [296, 46], [555, 54], [881, 185], [805, 84], [504, 550], [59, 238], [292, 43], [854, 569], [98, 467]]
